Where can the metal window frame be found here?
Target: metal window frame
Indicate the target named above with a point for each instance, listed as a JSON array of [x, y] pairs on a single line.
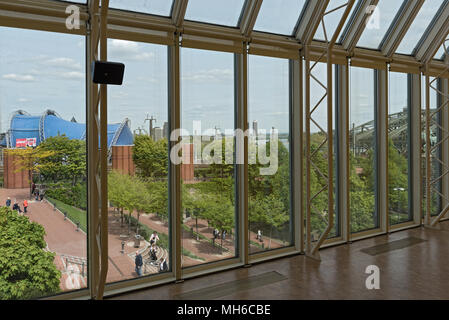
[[434, 35], [393, 38], [354, 31], [50, 16]]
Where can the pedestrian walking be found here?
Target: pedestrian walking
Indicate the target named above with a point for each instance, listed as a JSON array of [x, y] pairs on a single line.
[[25, 206], [259, 235], [154, 238], [139, 263], [33, 187], [153, 254], [8, 202], [223, 235], [163, 266], [16, 207]]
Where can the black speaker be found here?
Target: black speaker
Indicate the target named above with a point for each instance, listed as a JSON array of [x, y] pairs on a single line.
[[105, 72]]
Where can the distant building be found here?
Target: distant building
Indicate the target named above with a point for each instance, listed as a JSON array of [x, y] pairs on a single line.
[[255, 127], [165, 130], [157, 133]]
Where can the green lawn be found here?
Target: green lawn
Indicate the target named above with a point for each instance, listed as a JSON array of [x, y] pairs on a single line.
[[74, 214]]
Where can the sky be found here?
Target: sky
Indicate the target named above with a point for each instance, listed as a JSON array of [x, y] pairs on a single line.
[[42, 70]]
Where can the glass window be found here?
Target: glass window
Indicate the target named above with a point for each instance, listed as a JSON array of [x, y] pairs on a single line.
[[419, 25], [362, 135], [157, 7], [139, 224], [215, 11], [332, 19], [319, 149], [279, 16], [43, 147], [440, 53], [435, 139], [209, 230], [398, 149], [270, 223], [380, 21]]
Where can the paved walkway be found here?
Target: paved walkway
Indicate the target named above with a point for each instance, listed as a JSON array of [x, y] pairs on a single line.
[[63, 239]]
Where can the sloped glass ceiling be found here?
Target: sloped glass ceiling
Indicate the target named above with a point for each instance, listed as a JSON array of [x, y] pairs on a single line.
[[379, 23], [419, 26], [220, 12], [279, 16], [332, 18], [440, 53], [157, 7]]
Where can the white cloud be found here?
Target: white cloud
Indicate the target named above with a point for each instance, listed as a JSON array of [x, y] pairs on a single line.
[[23, 100], [19, 77], [128, 50], [72, 75], [65, 63], [210, 75]]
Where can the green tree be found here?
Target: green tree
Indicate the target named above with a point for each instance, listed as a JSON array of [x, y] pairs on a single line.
[[29, 159], [68, 160], [150, 157], [26, 270]]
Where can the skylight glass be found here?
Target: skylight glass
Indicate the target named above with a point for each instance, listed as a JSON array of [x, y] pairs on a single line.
[[379, 23], [419, 26], [157, 7], [332, 19], [220, 12], [279, 16], [440, 53]]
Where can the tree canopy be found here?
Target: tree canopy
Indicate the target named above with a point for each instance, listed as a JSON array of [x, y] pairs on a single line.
[[26, 270]]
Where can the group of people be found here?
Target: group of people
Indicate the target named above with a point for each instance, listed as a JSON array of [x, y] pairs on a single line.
[[16, 205], [216, 234], [38, 196], [163, 266]]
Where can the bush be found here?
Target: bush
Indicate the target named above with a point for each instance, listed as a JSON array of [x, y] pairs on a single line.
[[75, 196], [26, 270]]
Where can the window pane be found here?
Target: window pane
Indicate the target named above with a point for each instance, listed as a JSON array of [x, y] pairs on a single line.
[[215, 11], [379, 23], [42, 87], [440, 53], [158, 7], [279, 16], [435, 138], [398, 149], [332, 19], [319, 148], [270, 223], [137, 182], [419, 26], [209, 230], [362, 150]]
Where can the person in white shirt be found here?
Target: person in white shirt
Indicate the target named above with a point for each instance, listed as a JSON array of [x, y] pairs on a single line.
[[154, 237]]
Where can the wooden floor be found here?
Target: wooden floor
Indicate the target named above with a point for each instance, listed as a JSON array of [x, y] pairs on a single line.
[[417, 271]]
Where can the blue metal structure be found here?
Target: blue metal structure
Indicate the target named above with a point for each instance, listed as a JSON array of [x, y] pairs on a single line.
[[50, 124]]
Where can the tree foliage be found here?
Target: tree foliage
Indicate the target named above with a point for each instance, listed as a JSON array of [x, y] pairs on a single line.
[[68, 159], [26, 270], [150, 157]]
